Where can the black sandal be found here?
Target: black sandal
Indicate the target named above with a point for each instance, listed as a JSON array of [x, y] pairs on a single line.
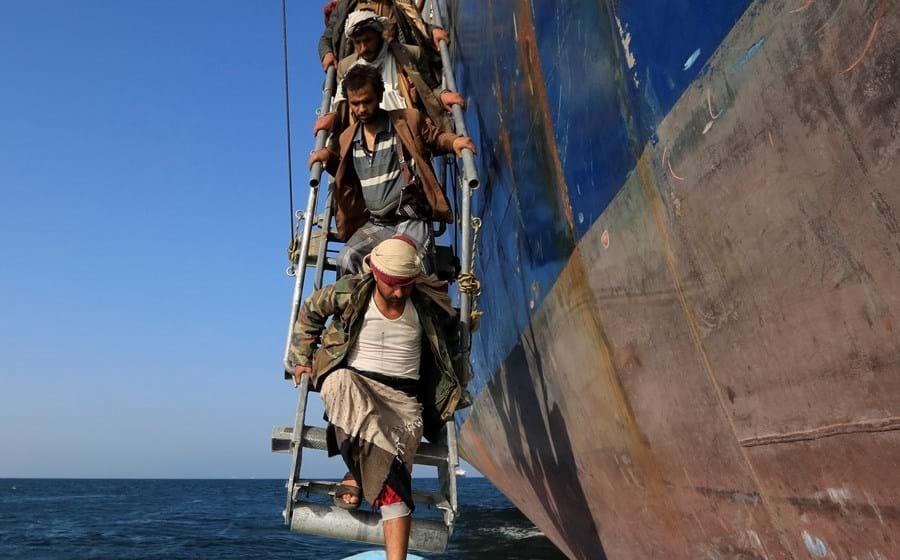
[[342, 490]]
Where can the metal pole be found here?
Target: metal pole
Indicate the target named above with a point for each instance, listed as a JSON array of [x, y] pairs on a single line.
[[299, 276], [469, 173], [469, 182], [323, 246], [315, 176], [296, 449]]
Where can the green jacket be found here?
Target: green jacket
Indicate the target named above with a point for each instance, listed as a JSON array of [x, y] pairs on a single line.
[[444, 371]]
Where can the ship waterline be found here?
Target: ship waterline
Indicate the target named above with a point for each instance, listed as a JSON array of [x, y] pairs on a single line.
[[698, 357]]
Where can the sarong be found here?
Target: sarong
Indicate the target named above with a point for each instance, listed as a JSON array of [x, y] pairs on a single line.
[[376, 429]]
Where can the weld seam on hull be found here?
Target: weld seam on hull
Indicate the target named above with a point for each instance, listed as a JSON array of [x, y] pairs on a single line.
[[863, 426]]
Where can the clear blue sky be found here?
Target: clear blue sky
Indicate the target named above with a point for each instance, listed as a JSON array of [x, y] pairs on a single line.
[[143, 226]]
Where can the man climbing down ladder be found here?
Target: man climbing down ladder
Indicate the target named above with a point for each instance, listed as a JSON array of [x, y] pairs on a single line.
[[384, 367], [383, 183], [392, 365]]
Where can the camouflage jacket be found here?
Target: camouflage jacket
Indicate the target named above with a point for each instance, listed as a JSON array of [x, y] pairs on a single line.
[[444, 371]]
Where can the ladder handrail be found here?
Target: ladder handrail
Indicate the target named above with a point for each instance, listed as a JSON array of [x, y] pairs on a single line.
[[325, 226], [469, 183], [296, 449], [300, 265], [315, 176]]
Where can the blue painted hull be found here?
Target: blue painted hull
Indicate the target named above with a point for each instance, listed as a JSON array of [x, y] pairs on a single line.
[[690, 260]]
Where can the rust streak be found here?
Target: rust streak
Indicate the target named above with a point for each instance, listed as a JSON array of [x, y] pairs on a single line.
[[862, 426], [803, 7], [865, 50], [830, 18], [527, 38], [709, 104], [668, 162], [657, 212]]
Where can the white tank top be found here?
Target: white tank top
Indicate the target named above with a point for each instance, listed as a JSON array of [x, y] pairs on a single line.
[[388, 346]]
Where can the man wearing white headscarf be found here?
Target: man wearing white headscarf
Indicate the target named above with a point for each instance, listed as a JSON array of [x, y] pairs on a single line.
[[389, 370], [405, 24], [404, 68], [365, 30]]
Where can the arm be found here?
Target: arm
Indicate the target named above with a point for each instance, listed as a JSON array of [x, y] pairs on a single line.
[[327, 46], [419, 63], [310, 324], [413, 11], [339, 125], [328, 157], [440, 143], [438, 34], [326, 54]]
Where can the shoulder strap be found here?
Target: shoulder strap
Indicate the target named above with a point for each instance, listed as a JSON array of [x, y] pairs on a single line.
[[407, 173], [412, 72]]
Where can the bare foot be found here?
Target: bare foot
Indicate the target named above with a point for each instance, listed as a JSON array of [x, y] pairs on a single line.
[[348, 497]]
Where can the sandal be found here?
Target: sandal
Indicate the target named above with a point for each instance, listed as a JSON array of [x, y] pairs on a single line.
[[342, 490]]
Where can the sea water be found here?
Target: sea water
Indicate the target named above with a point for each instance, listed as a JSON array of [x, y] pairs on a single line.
[[175, 519]]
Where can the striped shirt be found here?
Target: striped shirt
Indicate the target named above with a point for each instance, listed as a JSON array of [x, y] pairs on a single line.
[[378, 170]]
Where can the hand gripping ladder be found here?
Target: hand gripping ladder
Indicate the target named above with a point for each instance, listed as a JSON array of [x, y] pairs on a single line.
[[309, 517]]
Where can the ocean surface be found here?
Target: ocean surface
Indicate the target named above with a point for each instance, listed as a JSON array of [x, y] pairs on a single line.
[[138, 519]]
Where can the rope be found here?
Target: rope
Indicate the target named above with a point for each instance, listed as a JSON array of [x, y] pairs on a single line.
[[468, 282], [293, 250], [287, 110]]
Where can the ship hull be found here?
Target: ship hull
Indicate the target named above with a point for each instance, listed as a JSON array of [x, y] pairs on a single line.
[[692, 274]]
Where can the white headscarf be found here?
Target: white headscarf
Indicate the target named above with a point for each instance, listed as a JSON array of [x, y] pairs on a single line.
[[355, 19], [385, 62], [395, 260]]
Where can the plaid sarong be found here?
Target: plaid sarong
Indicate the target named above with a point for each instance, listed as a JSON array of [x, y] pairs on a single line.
[[361, 243], [375, 428]]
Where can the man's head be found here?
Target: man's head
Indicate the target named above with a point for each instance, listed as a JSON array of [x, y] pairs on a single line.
[[365, 29], [367, 44], [363, 88], [395, 264]]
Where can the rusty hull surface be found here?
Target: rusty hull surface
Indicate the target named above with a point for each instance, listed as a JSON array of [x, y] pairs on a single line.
[[714, 369]]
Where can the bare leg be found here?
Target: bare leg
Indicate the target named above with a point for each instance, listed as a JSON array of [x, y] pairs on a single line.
[[396, 537]]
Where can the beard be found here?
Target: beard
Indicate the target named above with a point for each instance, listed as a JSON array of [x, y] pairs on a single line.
[[396, 301]]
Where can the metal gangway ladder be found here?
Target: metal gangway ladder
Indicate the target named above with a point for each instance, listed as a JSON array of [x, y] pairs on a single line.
[[316, 234]]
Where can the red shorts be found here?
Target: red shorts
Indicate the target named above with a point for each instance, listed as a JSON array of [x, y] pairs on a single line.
[[387, 497]]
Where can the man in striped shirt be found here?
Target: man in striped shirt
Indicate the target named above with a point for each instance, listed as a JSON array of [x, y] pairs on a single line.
[[384, 184]]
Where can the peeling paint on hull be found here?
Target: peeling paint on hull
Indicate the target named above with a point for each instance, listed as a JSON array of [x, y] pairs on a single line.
[[722, 380]]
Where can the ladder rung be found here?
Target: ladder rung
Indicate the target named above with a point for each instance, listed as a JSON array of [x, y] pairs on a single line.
[[314, 438], [426, 535], [330, 262], [315, 243]]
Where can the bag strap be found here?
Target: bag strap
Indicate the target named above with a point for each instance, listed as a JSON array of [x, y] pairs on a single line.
[[414, 74], [405, 171]]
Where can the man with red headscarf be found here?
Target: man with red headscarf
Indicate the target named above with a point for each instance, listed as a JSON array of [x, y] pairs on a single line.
[[388, 369]]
